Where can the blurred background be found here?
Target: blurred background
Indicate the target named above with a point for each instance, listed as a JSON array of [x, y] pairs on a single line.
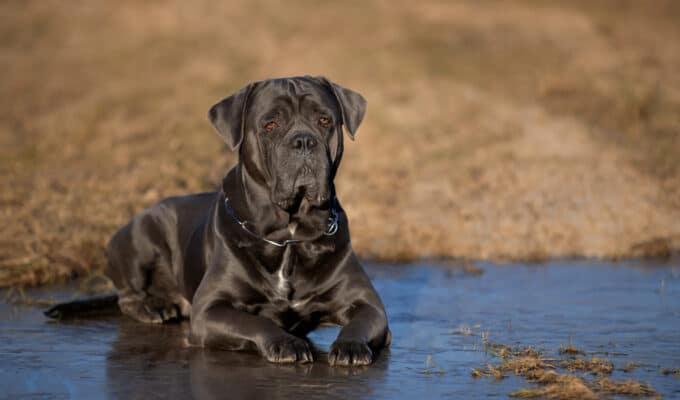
[[495, 130]]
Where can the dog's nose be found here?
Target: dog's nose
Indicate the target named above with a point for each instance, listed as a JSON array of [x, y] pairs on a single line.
[[303, 142]]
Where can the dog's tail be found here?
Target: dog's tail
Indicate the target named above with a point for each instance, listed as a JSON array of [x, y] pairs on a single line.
[[83, 308]]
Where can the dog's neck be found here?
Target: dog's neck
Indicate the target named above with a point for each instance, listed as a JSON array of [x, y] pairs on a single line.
[[248, 200]]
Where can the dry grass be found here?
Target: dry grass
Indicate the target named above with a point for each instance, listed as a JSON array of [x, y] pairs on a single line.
[[18, 296], [630, 366], [533, 366], [432, 367], [525, 362], [629, 387], [561, 387], [495, 130], [570, 349], [597, 366]]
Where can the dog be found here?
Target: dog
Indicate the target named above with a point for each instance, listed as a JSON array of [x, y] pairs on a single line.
[[268, 258]]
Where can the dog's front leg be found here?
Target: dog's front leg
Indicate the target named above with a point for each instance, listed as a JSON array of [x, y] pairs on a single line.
[[365, 332], [221, 326]]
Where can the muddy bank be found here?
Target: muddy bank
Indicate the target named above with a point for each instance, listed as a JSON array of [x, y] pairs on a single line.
[[447, 325], [494, 131]]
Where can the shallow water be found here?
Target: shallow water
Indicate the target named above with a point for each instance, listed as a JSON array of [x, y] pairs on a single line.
[[631, 311]]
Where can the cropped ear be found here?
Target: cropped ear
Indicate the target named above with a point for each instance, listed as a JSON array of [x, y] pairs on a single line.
[[228, 116], [352, 106]]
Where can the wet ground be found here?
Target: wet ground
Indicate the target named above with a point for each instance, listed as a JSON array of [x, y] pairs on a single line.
[[628, 312]]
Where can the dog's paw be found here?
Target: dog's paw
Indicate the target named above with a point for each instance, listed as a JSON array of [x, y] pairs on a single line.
[[287, 349], [156, 310], [349, 353]]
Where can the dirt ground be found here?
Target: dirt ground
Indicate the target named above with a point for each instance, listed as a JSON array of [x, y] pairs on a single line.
[[495, 130]]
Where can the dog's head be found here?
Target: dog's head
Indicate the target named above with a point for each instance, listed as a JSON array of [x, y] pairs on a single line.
[[289, 135]]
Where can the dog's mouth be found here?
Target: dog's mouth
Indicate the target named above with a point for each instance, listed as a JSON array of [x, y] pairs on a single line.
[[306, 190], [309, 194]]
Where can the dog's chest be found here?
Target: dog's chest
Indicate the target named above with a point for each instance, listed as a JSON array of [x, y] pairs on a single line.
[[281, 280], [291, 300], [287, 291], [282, 285]]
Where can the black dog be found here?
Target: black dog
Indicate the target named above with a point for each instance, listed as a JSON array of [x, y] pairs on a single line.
[[268, 258]]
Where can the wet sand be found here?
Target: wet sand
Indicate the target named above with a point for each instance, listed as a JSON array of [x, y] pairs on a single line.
[[627, 312]]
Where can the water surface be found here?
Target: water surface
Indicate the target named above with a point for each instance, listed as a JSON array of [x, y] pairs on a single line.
[[628, 311]]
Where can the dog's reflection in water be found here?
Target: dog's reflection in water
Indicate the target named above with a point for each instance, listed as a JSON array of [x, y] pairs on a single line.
[[148, 361]]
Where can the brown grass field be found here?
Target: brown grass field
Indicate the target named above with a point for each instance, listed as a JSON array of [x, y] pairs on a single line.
[[495, 130]]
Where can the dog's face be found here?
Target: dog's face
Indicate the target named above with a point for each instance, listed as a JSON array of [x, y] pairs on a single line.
[[292, 132], [289, 132]]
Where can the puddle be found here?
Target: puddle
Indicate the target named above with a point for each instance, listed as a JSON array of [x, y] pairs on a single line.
[[441, 316]]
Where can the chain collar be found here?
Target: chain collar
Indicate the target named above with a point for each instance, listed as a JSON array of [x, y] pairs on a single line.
[[331, 228]]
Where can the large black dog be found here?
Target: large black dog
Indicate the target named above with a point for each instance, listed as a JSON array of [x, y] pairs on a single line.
[[268, 258]]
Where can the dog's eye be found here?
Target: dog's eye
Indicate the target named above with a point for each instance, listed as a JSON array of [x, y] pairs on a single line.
[[324, 122], [270, 126]]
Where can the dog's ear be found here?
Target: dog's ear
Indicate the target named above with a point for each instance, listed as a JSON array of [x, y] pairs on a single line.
[[352, 106], [228, 116]]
